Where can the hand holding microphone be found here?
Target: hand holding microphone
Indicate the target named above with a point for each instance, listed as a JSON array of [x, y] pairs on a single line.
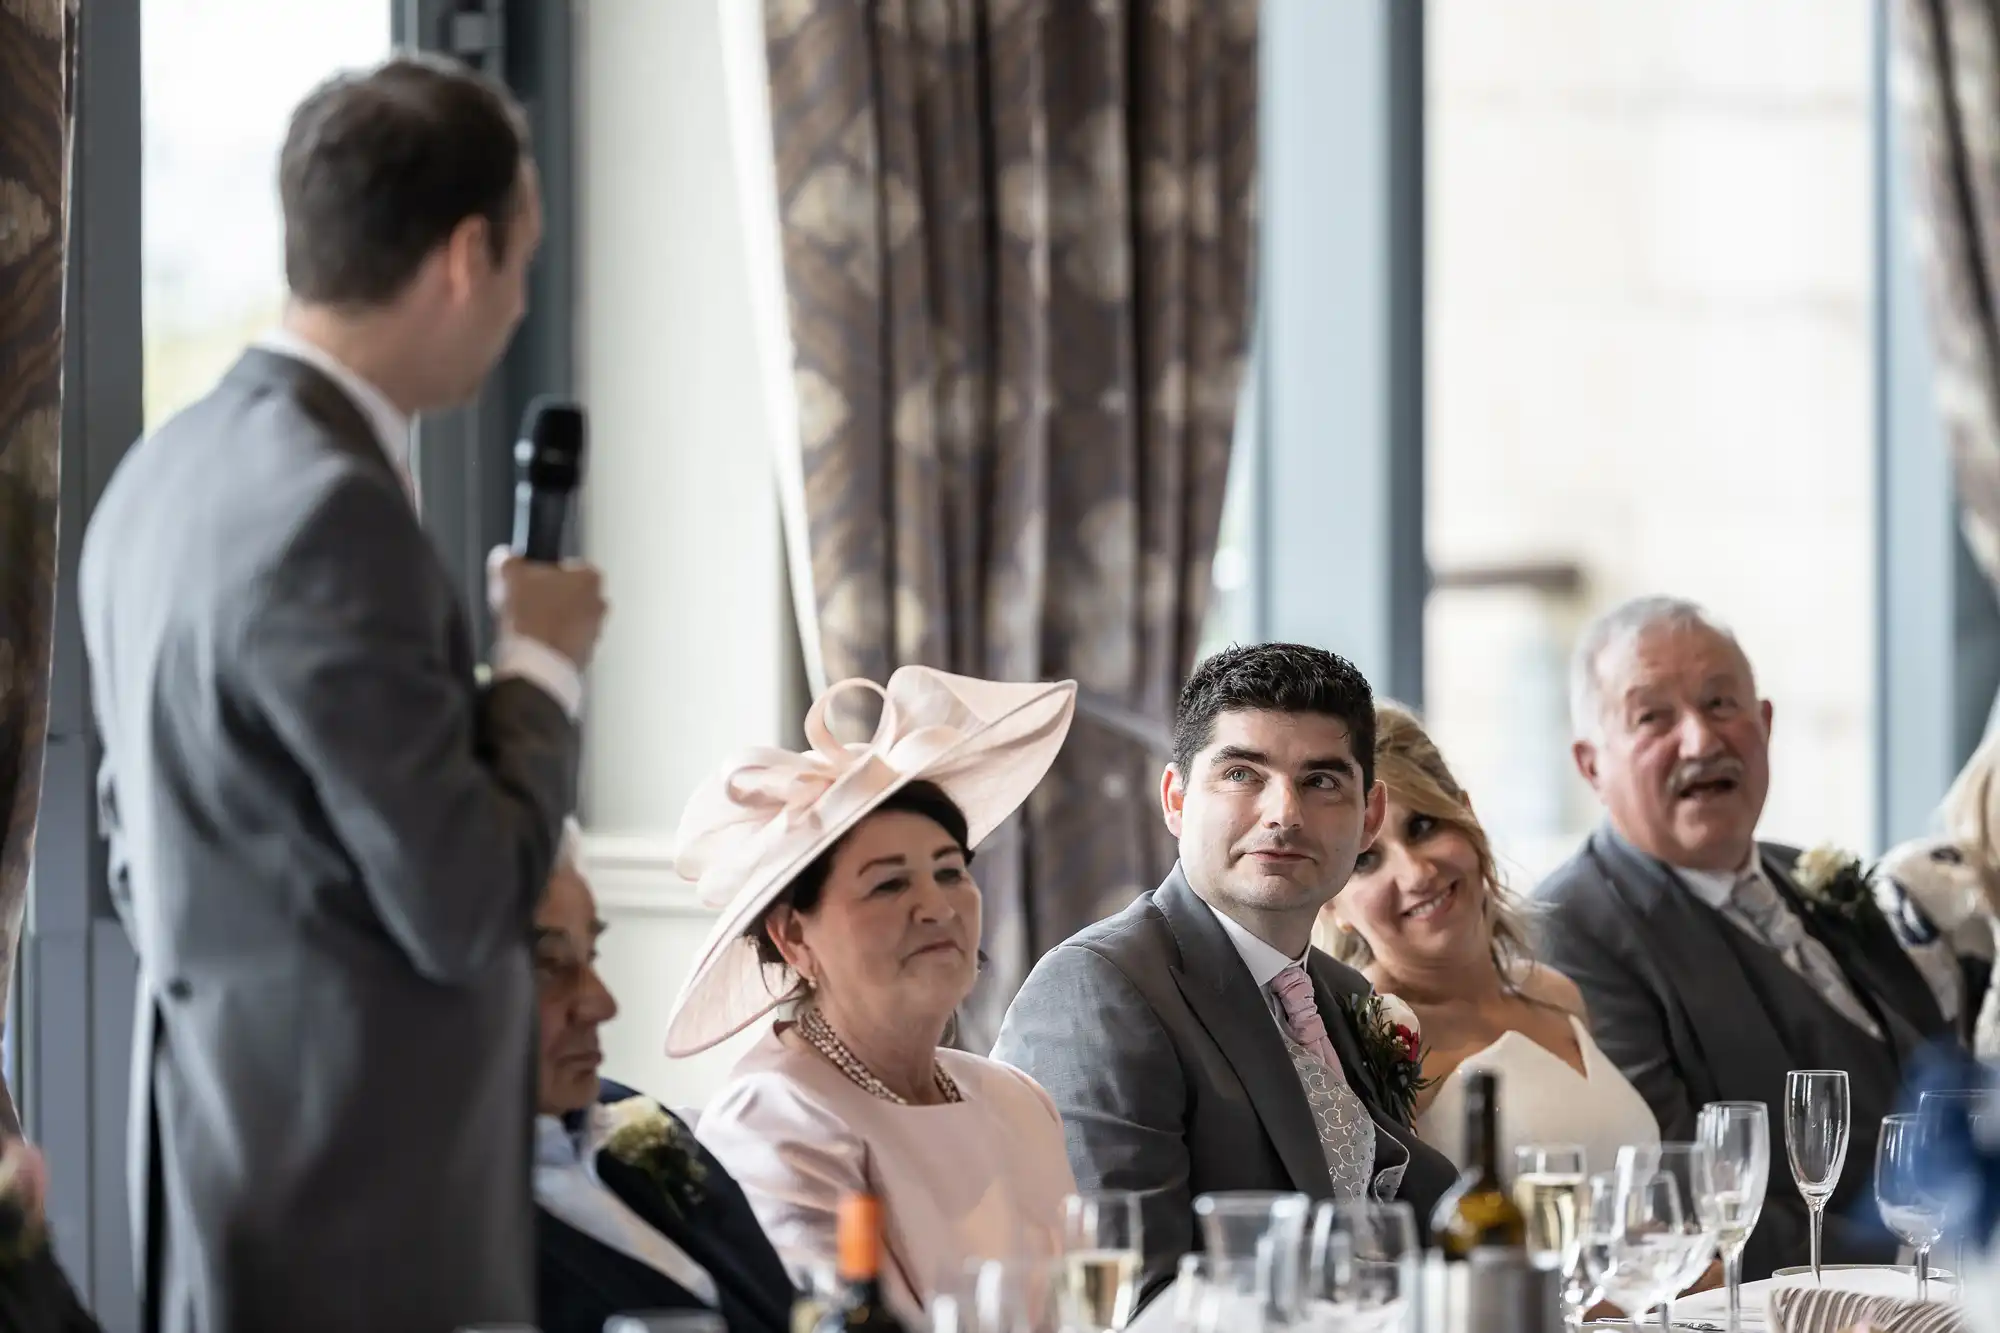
[[533, 593]]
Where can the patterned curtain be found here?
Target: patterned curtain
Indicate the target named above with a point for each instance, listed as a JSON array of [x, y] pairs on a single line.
[[1946, 82], [37, 48], [1017, 241]]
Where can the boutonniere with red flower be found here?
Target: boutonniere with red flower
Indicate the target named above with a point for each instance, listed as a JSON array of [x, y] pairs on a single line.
[[1392, 1047]]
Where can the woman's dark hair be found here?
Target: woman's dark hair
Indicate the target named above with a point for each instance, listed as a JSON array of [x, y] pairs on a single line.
[[803, 893]]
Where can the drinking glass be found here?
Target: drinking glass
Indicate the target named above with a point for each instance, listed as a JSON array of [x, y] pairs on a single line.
[[1732, 1169], [1816, 1113], [1906, 1188], [1675, 1160], [667, 1321], [997, 1296], [1361, 1267], [1941, 1107], [1635, 1228], [1191, 1278], [1101, 1257], [1548, 1189], [1264, 1230], [1594, 1227]]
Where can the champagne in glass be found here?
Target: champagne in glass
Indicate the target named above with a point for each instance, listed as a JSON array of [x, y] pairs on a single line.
[[1816, 1116], [1101, 1253], [1905, 1188], [1548, 1189], [1732, 1169]]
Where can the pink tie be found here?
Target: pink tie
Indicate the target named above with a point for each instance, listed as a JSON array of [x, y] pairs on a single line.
[[1294, 990]]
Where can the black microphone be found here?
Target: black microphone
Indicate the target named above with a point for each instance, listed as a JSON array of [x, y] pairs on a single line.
[[548, 463]]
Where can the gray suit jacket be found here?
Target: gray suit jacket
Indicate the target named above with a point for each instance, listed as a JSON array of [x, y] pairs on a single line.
[[326, 845], [1172, 1078], [1694, 1011]]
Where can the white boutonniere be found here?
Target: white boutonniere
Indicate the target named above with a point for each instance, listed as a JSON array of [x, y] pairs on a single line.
[[1834, 882], [647, 1139]]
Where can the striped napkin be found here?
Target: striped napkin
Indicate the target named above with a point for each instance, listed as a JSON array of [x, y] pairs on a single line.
[[1826, 1310]]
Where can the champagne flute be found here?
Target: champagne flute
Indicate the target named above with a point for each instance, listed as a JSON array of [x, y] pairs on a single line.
[[1548, 1189], [1732, 1169], [1816, 1114], [1101, 1255], [1905, 1190]]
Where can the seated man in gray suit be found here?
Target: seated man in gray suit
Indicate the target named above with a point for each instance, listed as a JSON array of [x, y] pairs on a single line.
[[1707, 970], [1196, 1041]]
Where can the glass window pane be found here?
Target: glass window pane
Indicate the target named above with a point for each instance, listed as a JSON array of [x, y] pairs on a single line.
[[1649, 371], [219, 81]]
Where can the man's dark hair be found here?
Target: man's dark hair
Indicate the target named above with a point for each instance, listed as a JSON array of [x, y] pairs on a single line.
[[1275, 678], [380, 167]]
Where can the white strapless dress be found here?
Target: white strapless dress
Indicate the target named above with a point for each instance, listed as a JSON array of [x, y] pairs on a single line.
[[1544, 1100]]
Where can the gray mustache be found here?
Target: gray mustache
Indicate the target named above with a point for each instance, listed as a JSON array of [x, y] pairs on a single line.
[[1707, 770]]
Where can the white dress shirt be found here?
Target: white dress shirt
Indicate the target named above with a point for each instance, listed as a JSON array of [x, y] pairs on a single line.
[[566, 1184], [513, 655]]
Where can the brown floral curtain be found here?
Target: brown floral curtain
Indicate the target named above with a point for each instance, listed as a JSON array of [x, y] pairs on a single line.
[[36, 59], [1017, 241], [1946, 82]]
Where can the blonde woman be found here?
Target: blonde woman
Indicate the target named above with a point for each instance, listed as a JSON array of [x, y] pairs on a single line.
[[1426, 918]]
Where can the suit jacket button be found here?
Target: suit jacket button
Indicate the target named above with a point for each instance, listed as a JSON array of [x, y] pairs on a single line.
[[178, 989]]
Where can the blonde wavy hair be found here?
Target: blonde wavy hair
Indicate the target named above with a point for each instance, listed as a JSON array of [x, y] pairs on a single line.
[[1408, 763]]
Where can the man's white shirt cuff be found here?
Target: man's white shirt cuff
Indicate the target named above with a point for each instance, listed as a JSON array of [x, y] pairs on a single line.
[[540, 665]]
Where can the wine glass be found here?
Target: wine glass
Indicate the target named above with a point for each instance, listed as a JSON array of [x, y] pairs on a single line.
[[1636, 1218], [1816, 1114], [1906, 1190], [1732, 1169], [1698, 1247], [1941, 1107], [1548, 1189], [1101, 1257]]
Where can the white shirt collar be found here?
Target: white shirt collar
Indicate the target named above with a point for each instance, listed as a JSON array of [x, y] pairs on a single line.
[[391, 427], [1264, 962], [1715, 887]]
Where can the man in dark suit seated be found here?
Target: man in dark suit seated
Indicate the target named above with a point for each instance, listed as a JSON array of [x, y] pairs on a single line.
[[632, 1213], [1710, 966], [1196, 1042]]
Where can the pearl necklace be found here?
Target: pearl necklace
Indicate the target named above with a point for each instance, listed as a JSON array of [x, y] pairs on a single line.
[[820, 1034]]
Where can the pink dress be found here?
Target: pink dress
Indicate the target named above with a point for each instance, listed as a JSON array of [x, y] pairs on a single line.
[[979, 1179]]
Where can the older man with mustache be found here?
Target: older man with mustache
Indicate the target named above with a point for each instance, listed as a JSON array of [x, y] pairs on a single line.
[[1709, 968]]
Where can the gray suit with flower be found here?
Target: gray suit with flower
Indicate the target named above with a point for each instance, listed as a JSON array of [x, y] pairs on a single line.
[[1693, 1010], [1172, 1079]]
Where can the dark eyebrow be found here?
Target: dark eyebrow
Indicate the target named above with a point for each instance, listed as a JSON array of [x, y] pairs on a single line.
[[1240, 754], [896, 860]]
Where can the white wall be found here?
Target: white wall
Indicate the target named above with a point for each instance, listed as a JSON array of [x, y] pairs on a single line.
[[680, 507]]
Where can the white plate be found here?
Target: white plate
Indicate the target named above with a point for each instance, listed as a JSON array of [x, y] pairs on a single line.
[[1805, 1270]]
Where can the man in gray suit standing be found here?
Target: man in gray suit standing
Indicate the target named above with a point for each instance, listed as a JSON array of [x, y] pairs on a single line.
[[1707, 970], [1196, 1041], [327, 839]]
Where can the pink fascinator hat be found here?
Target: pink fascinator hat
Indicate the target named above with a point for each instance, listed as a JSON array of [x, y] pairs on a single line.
[[750, 829]]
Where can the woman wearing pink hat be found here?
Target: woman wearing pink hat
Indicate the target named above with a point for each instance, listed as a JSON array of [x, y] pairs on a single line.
[[847, 904]]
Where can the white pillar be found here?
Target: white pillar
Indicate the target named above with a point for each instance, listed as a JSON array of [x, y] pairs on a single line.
[[680, 504]]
